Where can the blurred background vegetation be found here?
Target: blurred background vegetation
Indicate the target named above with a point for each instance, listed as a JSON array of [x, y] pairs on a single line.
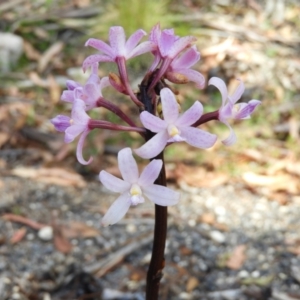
[[43, 45]]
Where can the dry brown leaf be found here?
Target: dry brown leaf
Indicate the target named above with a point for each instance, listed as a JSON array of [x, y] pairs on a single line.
[[18, 235], [4, 137], [199, 177], [191, 284], [237, 258], [293, 168], [54, 89], [49, 54], [78, 229], [36, 79], [61, 243], [281, 182], [57, 176], [31, 52]]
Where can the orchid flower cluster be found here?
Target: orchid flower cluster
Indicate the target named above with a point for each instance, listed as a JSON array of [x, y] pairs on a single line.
[[173, 57]]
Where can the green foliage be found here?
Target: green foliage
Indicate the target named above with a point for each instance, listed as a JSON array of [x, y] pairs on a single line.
[[132, 15]]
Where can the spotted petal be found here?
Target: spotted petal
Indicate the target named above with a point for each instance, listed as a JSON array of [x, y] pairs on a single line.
[[128, 166], [152, 122], [150, 172], [161, 195], [191, 115], [169, 105], [113, 183], [197, 137], [154, 146]]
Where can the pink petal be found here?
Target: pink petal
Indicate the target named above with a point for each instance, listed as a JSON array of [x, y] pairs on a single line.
[[190, 116], [161, 195], [104, 82], [225, 112], [79, 115], [93, 92], [61, 122], [197, 137], [72, 85], [95, 58], [154, 146], [150, 173], [93, 79], [67, 96], [181, 44], [169, 105], [187, 59], [117, 40], [128, 166], [79, 149], [141, 49], [231, 138], [237, 93], [151, 122], [101, 46], [73, 131], [117, 210], [247, 109], [155, 33], [194, 76], [113, 183], [220, 85], [134, 39], [166, 42]]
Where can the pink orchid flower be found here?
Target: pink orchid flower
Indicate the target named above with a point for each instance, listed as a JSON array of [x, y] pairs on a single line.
[[229, 109], [90, 92], [169, 46], [179, 70], [74, 126], [119, 47], [134, 187], [174, 127]]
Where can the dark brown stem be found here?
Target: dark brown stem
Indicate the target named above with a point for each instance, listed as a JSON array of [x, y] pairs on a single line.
[[214, 115], [157, 263]]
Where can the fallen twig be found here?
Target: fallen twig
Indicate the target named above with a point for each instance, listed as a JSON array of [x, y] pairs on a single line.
[[23, 220], [101, 267]]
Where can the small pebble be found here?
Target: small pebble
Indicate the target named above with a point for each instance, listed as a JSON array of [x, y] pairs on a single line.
[[217, 236], [46, 233]]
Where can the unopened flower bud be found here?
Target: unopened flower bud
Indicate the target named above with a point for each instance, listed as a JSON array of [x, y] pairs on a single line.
[[177, 78], [117, 83]]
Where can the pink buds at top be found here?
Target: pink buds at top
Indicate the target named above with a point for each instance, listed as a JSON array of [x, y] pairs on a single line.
[[179, 70], [118, 47]]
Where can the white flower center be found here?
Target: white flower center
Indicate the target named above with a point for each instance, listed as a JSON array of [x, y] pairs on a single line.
[[136, 194], [173, 130]]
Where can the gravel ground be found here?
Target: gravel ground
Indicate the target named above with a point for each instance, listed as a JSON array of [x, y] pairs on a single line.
[[223, 243]]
